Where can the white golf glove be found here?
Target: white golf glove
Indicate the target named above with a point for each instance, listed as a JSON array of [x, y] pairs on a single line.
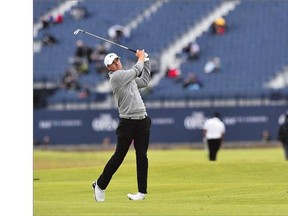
[[146, 57]]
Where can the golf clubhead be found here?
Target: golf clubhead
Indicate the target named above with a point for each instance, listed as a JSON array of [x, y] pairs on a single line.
[[77, 31]]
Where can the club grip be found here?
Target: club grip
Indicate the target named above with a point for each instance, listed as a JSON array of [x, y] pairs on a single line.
[[132, 50]]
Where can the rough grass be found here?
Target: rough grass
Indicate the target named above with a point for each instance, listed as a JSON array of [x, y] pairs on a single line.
[[181, 182]]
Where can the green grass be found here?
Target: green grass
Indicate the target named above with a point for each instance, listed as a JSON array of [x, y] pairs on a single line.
[[181, 182]]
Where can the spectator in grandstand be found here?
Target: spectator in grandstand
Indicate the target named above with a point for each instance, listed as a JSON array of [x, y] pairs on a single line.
[[83, 51], [81, 65], [46, 21], [283, 135], [84, 92], [48, 39], [192, 50], [118, 32], [192, 82], [99, 53], [219, 26], [174, 73], [78, 13], [212, 65], [213, 133], [70, 80], [58, 19], [97, 56], [50, 20]]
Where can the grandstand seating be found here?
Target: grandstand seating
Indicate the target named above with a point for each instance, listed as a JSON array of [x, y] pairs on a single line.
[[252, 51], [41, 7], [50, 64], [170, 21]]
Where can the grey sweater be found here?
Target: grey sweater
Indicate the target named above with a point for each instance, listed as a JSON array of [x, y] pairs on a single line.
[[125, 85]]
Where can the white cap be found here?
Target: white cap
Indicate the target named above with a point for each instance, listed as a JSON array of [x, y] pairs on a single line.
[[109, 58]]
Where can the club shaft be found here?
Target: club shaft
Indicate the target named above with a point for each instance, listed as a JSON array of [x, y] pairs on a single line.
[[101, 38]]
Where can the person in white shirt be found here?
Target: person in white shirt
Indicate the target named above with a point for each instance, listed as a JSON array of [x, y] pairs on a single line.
[[213, 133]]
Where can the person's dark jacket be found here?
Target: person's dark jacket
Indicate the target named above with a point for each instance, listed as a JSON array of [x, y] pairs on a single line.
[[283, 132]]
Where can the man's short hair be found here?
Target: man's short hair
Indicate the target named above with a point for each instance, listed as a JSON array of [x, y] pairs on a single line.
[[216, 114]]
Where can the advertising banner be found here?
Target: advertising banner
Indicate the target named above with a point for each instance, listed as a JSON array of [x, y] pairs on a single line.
[[173, 125]]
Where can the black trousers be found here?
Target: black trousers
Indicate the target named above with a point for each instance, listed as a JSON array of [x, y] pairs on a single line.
[[129, 130], [213, 146], [285, 147]]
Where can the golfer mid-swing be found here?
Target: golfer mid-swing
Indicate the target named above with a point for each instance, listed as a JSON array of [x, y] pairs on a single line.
[[134, 123]]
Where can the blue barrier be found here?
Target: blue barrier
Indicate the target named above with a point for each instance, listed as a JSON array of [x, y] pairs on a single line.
[[173, 125]]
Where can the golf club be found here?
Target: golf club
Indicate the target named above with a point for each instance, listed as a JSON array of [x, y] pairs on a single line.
[[101, 38]]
